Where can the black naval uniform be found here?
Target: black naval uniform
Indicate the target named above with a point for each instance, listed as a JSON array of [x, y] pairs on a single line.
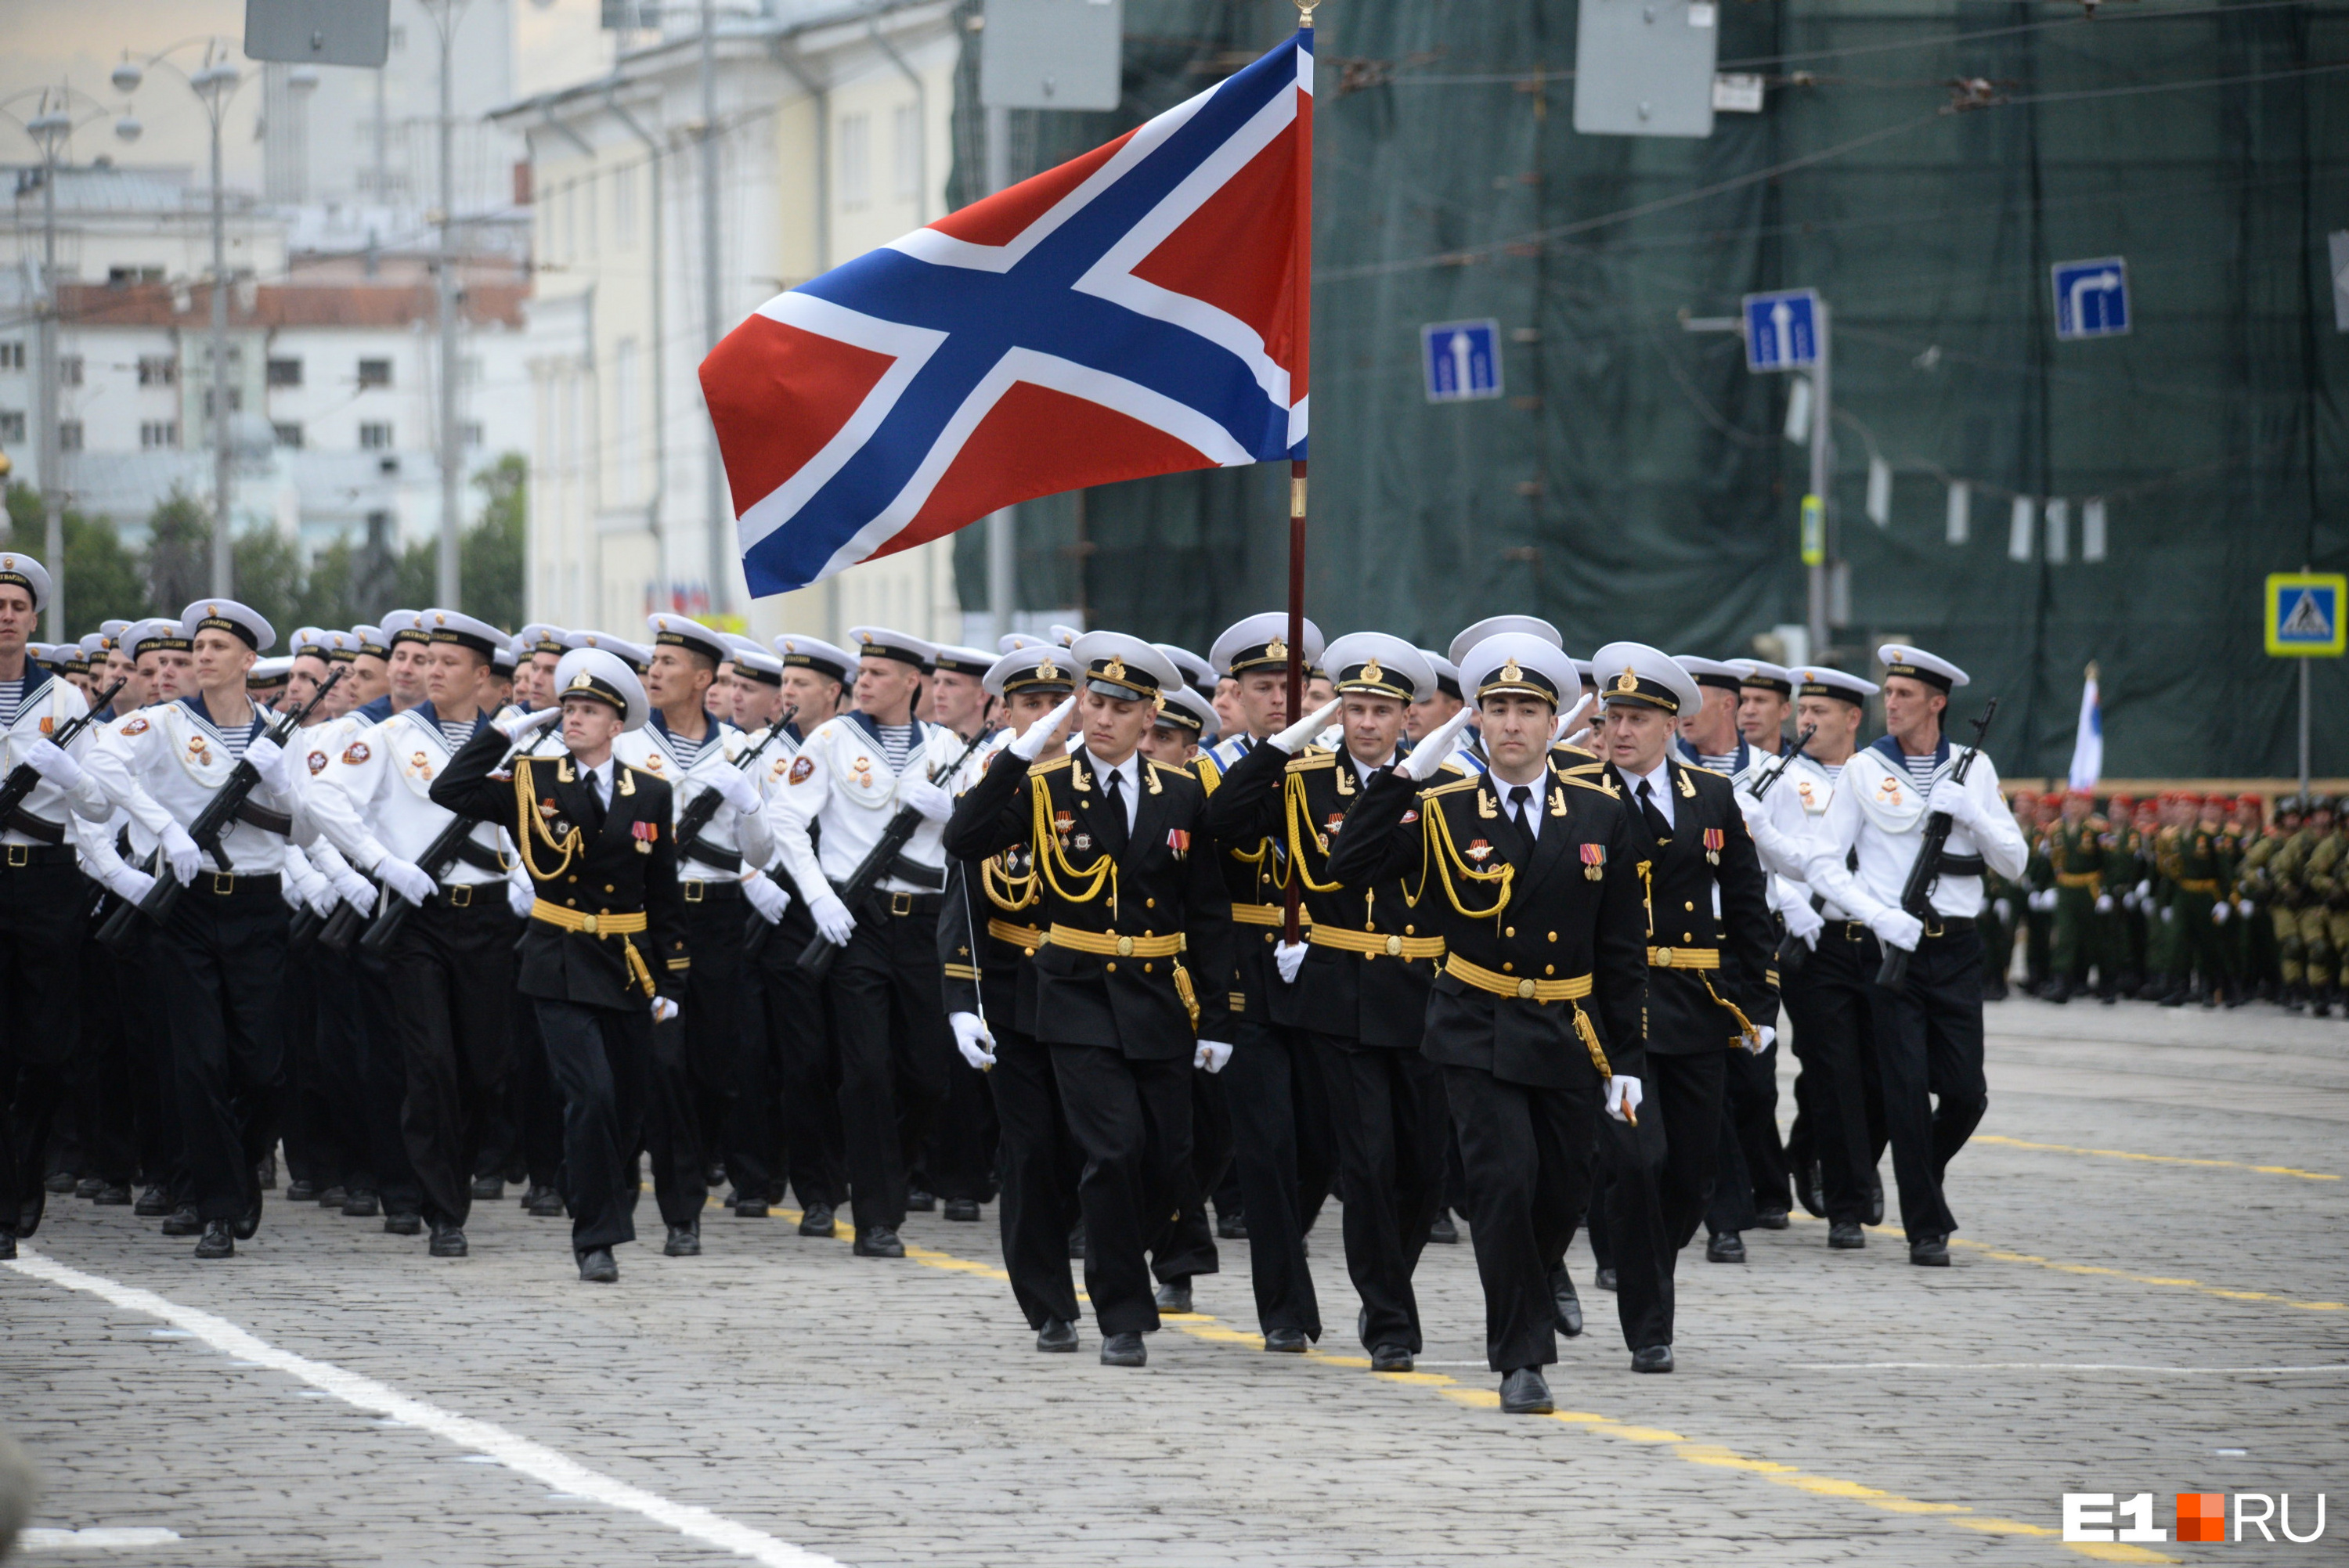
[[1537, 1002], [1363, 989], [1134, 971], [613, 864]]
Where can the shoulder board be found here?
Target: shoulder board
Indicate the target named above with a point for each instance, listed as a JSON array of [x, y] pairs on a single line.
[[1311, 757], [1171, 773], [1584, 768], [1453, 767], [1207, 770], [1563, 750], [643, 773], [1596, 786], [1707, 772], [1062, 761], [1454, 788]]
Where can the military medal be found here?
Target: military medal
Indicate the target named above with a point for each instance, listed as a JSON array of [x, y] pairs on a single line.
[[1594, 862], [1713, 839], [646, 832], [1479, 850]]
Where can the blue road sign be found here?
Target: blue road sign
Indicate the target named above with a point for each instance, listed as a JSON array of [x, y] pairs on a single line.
[[1782, 330], [1462, 359], [2091, 298]]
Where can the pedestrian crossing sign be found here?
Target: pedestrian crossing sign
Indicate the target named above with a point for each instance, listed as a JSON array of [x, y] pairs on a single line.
[[2303, 614]]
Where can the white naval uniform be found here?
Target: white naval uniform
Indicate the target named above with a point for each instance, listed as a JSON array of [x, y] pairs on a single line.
[[374, 797], [723, 747], [164, 764], [1878, 810], [841, 782], [51, 702]]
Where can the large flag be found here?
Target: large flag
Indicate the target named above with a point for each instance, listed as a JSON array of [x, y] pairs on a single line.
[[2088, 743], [1136, 311]]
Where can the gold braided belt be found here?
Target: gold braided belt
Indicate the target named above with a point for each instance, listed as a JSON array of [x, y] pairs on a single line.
[[2199, 884], [1375, 944], [1684, 958], [2078, 879], [1570, 990], [1265, 914], [1107, 946], [1026, 937], [600, 926]]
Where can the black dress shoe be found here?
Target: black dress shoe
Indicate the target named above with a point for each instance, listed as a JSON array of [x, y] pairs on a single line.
[[544, 1203], [714, 1173], [360, 1205], [403, 1224], [249, 1222], [1606, 1279], [1390, 1359], [1057, 1335], [684, 1242], [964, 1209], [334, 1197], [879, 1242], [1077, 1240], [59, 1182], [1653, 1359], [182, 1221], [1771, 1219], [596, 1267], [1175, 1296], [751, 1208], [490, 1187], [1124, 1350], [1876, 1201], [87, 1187], [300, 1191], [1846, 1236], [1812, 1192], [448, 1242], [1232, 1227], [1929, 1252], [1443, 1231], [264, 1175], [216, 1242], [920, 1203], [153, 1203], [1286, 1342], [816, 1221], [28, 1213], [1523, 1393], [7, 1245], [1568, 1304], [113, 1195], [1727, 1247]]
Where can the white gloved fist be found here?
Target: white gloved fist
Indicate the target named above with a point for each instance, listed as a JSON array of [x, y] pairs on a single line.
[[1571, 717], [2145, 889], [1751, 807], [356, 891], [2104, 903], [518, 899], [405, 878], [268, 759], [1211, 1055], [738, 791], [2004, 908], [663, 1010], [1763, 1036], [514, 726], [2167, 914], [973, 1038], [1955, 799], [1804, 923], [1294, 739], [932, 801], [1895, 927], [2219, 912], [766, 896], [1033, 739], [49, 760], [1288, 957], [179, 853], [1428, 758], [1623, 1098], [833, 920], [319, 894], [131, 884], [2243, 907]]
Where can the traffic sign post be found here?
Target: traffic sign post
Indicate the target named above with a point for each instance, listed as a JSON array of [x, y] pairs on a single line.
[[1785, 331], [1788, 331], [2304, 622], [2091, 298], [1461, 360]]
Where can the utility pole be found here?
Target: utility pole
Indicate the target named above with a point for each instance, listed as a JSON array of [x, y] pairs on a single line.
[[715, 505], [49, 130], [1818, 551], [452, 451], [216, 385]]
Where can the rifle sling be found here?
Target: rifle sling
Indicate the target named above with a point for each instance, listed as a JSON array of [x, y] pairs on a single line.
[[37, 828], [697, 848], [263, 818]]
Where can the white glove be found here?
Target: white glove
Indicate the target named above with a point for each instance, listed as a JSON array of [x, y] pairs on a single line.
[[738, 791], [767, 896], [973, 1038], [2168, 915], [833, 920], [1293, 739], [663, 1010], [1955, 799], [1428, 758], [1895, 927], [2243, 907], [1288, 957], [319, 894], [1623, 1098], [405, 878], [2044, 900], [2145, 890], [1763, 1036], [1804, 923], [131, 884], [268, 759], [1580, 738], [1039, 735], [50, 761], [356, 891], [1572, 716], [520, 897], [179, 853], [931, 801], [2219, 912], [2104, 903], [514, 726], [1212, 1054], [2004, 907], [1748, 807]]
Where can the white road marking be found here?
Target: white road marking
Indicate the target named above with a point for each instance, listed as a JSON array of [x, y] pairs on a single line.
[[2039, 1367], [98, 1538], [557, 1472]]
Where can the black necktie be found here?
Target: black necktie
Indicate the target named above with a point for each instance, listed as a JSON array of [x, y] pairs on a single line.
[[1519, 796], [1657, 825], [1114, 823]]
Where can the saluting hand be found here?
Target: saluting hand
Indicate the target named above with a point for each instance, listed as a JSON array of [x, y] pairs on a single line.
[[1428, 758], [1044, 731], [1297, 736]]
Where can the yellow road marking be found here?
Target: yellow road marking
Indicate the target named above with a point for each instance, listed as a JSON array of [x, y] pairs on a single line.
[[2158, 1159], [1202, 1326]]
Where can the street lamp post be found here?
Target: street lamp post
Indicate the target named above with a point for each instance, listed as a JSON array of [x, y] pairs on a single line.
[[445, 15]]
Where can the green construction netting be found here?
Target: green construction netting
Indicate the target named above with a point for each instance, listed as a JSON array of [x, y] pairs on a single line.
[[1635, 480]]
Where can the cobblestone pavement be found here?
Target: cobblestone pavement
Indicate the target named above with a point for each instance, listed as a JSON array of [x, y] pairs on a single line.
[[2148, 1295]]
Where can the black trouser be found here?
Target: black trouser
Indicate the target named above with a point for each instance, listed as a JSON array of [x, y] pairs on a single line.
[[154, 1107], [220, 960], [1829, 1002], [959, 1157], [1660, 1177], [338, 1055], [1287, 1155], [450, 970], [41, 931], [383, 1086], [601, 1062], [890, 1021], [806, 1081], [1928, 1043], [1187, 1246], [305, 1133], [536, 1103], [702, 1063], [1040, 1199], [1526, 1158], [102, 1096], [1751, 1162], [1132, 1120], [1393, 1125]]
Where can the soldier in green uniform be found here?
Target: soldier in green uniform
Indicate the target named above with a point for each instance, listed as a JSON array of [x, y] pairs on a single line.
[[2255, 880], [2324, 924], [2251, 935], [2075, 854], [2302, 941], [2204, 873], [2116, 908], [2168, 962], [2038, 888]]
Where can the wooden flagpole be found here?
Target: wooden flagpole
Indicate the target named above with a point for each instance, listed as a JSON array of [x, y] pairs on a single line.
[[1300, 378]]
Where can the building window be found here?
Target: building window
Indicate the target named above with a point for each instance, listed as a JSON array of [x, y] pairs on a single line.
[[469, 370], [68, 370], [908, 151], [856, 162], [120, 277], [375, 372], [12, 425], [624, 205], [570, 219], [154, 434], [285, 372], [12, 355], [70, 435], [286, 435], [374, 436], [157, 370], [473, 432], [235, 401], [624, 431], [398, 40]]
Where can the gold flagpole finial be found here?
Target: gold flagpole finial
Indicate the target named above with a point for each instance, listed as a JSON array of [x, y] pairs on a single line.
[[1305, 11]]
